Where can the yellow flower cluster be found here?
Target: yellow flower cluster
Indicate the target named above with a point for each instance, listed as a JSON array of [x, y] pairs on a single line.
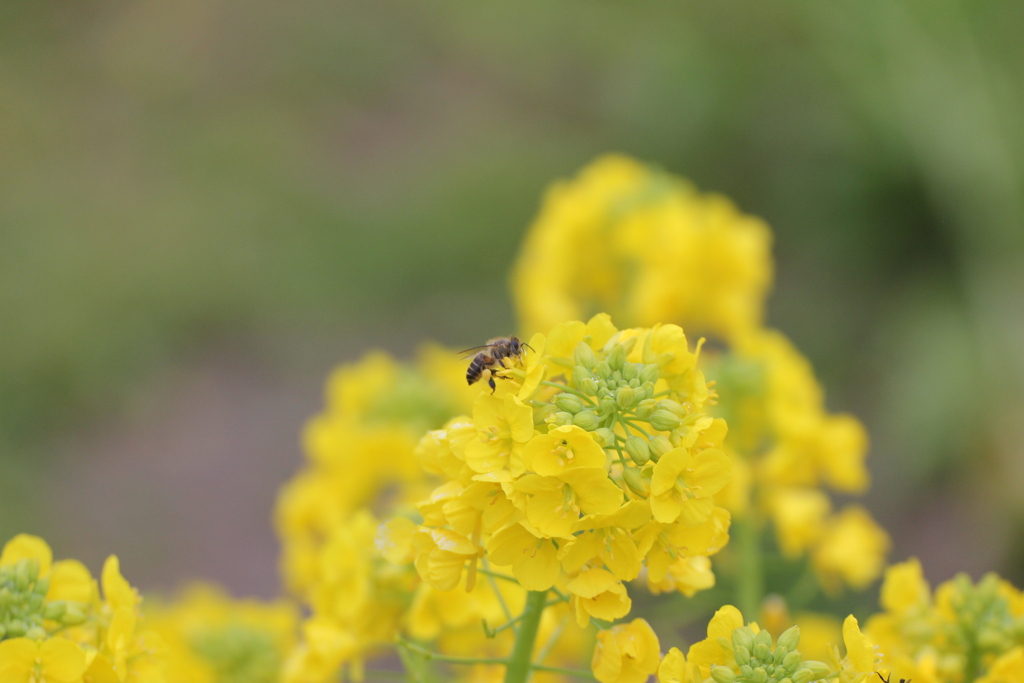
[[643, 245], [58, 626], [962, 632], [211, 638], [362, 462], [591, 461], [787, 447], [731, 653]]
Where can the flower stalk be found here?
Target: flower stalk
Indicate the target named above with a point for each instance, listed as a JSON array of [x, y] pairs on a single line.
[[520, 663]]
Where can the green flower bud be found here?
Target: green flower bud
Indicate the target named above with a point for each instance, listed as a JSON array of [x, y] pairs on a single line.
[[73, 615], [562, 419], [649, 373], [16, 628], [616, 357], [761, 651], [584, 355], [630, 372], [660, 445], [638, 450], [586, 419], [542, 413], [760, 675], [608, 405], [635, 481], [810, 671], [672, 406], [790, 638], [54, 610], [589, 385], [604, 437], [664, 421], [23, 575], [764, 638], [42, 586], [569, 403], [742, 654], [580, 373], [646, 408], [791, 661], [722, 674], [625, 396], [744, 635], [786, 680], [602, 369], [616, 378], [746, 671], [36, 633]]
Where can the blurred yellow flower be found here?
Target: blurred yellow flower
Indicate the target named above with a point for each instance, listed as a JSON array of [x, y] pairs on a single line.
[[646, 247]]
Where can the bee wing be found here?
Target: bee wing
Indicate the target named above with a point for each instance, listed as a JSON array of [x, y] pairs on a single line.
[[467, 352]]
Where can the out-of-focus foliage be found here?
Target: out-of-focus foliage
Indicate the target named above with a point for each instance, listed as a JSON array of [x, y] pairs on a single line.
[[176, 171]]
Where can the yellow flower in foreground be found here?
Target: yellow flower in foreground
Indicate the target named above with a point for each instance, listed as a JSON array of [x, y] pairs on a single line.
[[1009, 668], [862, 656], [675, 669], [683, 485], [597, 593], [709, 651], [627, 653], [55, 660]]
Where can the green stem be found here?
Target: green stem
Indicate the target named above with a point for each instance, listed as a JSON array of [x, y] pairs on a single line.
[[750, 581], [497, 593], [526, 635], [579, 673], [438, 657]]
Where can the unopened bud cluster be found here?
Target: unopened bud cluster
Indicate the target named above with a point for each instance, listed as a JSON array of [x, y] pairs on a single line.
[[758, 662], [617, 401], [23, 603], [984, 620]]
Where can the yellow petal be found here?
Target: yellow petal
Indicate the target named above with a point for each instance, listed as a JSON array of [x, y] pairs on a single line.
[[27, 547], [711, 471], [116, 590], [70, 580], [63, 661], [17, 659], [858, 648]]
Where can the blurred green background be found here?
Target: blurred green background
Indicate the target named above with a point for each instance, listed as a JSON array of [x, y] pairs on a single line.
[[204, 205]]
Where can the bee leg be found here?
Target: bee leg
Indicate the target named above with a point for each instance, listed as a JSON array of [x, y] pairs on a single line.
[[493, 385]]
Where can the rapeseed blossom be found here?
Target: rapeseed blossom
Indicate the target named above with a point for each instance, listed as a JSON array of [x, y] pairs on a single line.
[[593, 456], [963, 631], [212, 638], [487, 534], [57, 625], [644, 245]]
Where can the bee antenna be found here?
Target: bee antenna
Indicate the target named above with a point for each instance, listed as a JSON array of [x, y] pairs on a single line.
[[528, 346], [879, 674]]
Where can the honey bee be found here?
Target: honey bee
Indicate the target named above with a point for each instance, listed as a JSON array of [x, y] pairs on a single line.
[[492, 354], [886, 680]]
